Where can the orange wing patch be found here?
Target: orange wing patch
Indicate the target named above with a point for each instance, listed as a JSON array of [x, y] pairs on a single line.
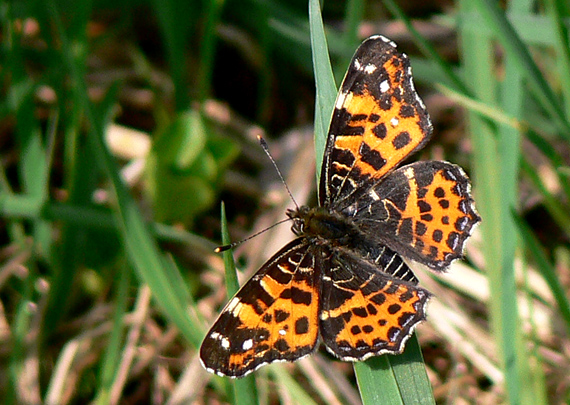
[[274, 316], [441, 215]]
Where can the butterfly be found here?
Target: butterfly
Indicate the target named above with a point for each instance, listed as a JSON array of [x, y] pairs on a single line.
[[343, 280]]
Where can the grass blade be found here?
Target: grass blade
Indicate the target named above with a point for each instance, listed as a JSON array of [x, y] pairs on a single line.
[[324, 81], [244, 389]]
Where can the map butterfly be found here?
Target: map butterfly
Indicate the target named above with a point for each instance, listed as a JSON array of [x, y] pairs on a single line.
[[343, 279]]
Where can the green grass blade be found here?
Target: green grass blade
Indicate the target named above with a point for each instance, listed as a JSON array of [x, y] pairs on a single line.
[[232, 284], [513, 93], [176, 20], [404, 375], [411, 375], [496, 150], [244, 389], [112, 354], [208, 48], [557, 13], [478, 60], [353, 20], [373, 372], [324, 81]]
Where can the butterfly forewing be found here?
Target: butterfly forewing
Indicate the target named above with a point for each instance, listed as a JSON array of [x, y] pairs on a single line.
[[377, 122], [272, 317]]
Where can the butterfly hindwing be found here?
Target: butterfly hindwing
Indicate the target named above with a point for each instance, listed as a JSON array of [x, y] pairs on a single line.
[[272, 317], [366, 311], [423, 210], [377, 122]]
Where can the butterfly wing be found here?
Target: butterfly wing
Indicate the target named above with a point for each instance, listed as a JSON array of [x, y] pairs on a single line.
[[377, 122], [367, 311], [273, 317], [423, 210]]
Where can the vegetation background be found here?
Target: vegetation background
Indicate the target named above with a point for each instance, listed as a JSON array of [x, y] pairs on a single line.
[[124, 124]]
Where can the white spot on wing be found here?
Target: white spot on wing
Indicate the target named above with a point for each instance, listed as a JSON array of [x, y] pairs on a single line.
[[225, 343], [409, 173], [234, 306], [462, 223], [450, 174], [383, 38], [282, 332], [395, 335], [357, 64], [454, 243], [340, 101], [420, 101], [373, 195], [248, 344], [370, 68], [394, 121], [384, 86]]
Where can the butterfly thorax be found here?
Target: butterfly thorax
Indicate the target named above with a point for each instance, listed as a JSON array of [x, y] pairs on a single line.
[[319, 223]]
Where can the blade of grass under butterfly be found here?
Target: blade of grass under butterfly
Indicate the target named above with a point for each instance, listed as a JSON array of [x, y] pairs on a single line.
[[406, 372], [244, 389], [374, 382], [411, 375]]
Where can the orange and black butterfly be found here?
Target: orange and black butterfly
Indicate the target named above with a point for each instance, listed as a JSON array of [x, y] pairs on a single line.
[[343, 278]]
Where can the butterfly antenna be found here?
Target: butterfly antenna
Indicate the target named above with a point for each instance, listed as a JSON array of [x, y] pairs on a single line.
[[234, 244], [266, 149], [239, 242]]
